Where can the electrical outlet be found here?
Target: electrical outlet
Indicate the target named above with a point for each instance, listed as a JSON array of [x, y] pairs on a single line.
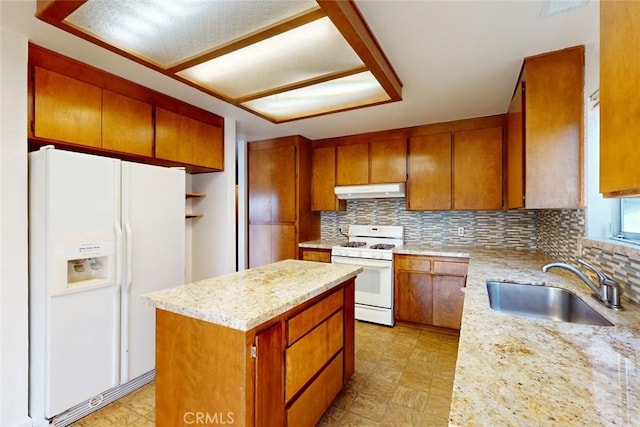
[[461, 231]]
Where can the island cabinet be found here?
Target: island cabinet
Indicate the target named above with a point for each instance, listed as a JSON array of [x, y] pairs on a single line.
[[619, 104], [285, 371], [459, 170], [314, 254], [279, 186], [545, 132], [81, 108], [371, 162], [429, 290]]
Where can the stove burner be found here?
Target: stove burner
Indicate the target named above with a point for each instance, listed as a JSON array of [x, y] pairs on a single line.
[[354, 245], [383, 246]]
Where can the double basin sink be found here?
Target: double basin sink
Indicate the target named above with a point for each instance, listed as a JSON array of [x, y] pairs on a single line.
[[542, 302]]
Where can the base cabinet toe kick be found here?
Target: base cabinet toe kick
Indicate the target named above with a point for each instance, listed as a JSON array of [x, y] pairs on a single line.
[[284, 372]]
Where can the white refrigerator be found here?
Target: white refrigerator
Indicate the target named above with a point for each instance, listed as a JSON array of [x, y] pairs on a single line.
[[101, 232]]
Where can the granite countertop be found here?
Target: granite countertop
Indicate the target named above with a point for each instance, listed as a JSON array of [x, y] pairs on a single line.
[[532, 372], [322, 243], [246, 299]]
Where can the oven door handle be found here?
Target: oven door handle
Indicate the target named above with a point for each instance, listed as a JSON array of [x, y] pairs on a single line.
[[361, 262]]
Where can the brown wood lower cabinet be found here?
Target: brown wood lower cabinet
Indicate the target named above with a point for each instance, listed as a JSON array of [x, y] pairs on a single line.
[[428, 290], [314, 254], [300, 362]]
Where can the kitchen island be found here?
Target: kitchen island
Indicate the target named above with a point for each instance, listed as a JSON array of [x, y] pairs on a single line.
[[270, 346]]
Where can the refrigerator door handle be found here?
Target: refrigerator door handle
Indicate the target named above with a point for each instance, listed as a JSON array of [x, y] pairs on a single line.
[[129, 257], [119, 264]]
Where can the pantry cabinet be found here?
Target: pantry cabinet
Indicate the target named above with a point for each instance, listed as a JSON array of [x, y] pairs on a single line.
[[545, 132], [429, 290], [279, 187], [619, 104]]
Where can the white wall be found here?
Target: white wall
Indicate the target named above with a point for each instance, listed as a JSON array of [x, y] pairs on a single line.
[[213, 236], [599, 212], [14, 350]]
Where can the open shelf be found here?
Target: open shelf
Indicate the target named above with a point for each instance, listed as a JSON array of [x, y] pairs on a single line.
[[192, 195]]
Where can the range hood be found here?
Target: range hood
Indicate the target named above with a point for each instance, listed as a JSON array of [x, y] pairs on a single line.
[[370, 191]]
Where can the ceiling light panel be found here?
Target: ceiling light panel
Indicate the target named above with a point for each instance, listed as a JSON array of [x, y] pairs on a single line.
[[340, 94], [165, 32], [309, 51]]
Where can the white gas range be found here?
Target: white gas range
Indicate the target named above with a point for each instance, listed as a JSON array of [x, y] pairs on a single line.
[[371, 247]]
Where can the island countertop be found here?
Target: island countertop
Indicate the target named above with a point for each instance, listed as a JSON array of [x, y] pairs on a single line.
[[246, 299]]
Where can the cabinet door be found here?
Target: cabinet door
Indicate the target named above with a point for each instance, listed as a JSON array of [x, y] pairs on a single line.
[[172, 141], [269, 377], [619, 104], [271, 243], [207, 145], [260, 171], [352, 164], [66, 109], [448, 299], [283, 184], [515, 150], [323, 172], [429, 184], [414, 301], [388, 161], [477, 170], [127, 124], [553, 129]]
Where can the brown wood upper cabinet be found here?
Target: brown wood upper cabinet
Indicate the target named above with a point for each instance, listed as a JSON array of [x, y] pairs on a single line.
[[619, 103], [374, 162], [477, 169], [456, 170], [323, 181], [86, 109], [183, 139], [545, 132], [66, 109], [429, 184]]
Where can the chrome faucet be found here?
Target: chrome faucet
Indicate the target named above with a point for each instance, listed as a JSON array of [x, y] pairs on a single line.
[[607, 292]]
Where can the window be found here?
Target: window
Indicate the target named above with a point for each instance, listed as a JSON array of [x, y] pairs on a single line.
[[630, 219]]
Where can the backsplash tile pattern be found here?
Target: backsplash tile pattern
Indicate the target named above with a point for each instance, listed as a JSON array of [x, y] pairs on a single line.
[[622, 263], [559, 232], [556, 232], [513, 229]]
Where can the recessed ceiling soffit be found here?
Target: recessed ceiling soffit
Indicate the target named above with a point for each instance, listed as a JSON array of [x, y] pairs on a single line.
[[282, 60]]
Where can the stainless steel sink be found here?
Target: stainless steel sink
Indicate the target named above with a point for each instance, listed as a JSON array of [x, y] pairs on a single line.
[[542, 302]]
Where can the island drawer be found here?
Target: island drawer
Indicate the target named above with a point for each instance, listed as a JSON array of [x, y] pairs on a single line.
[[308, 408], [302, 323], [308, 355]]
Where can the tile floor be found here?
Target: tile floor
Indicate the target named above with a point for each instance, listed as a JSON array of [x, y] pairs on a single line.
[[403, 377]]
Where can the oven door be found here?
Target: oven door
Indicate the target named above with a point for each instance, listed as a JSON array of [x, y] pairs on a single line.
[[374, 286]]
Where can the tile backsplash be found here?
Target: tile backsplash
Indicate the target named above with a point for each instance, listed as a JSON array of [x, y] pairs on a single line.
[[558, 232], [511, 229]]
